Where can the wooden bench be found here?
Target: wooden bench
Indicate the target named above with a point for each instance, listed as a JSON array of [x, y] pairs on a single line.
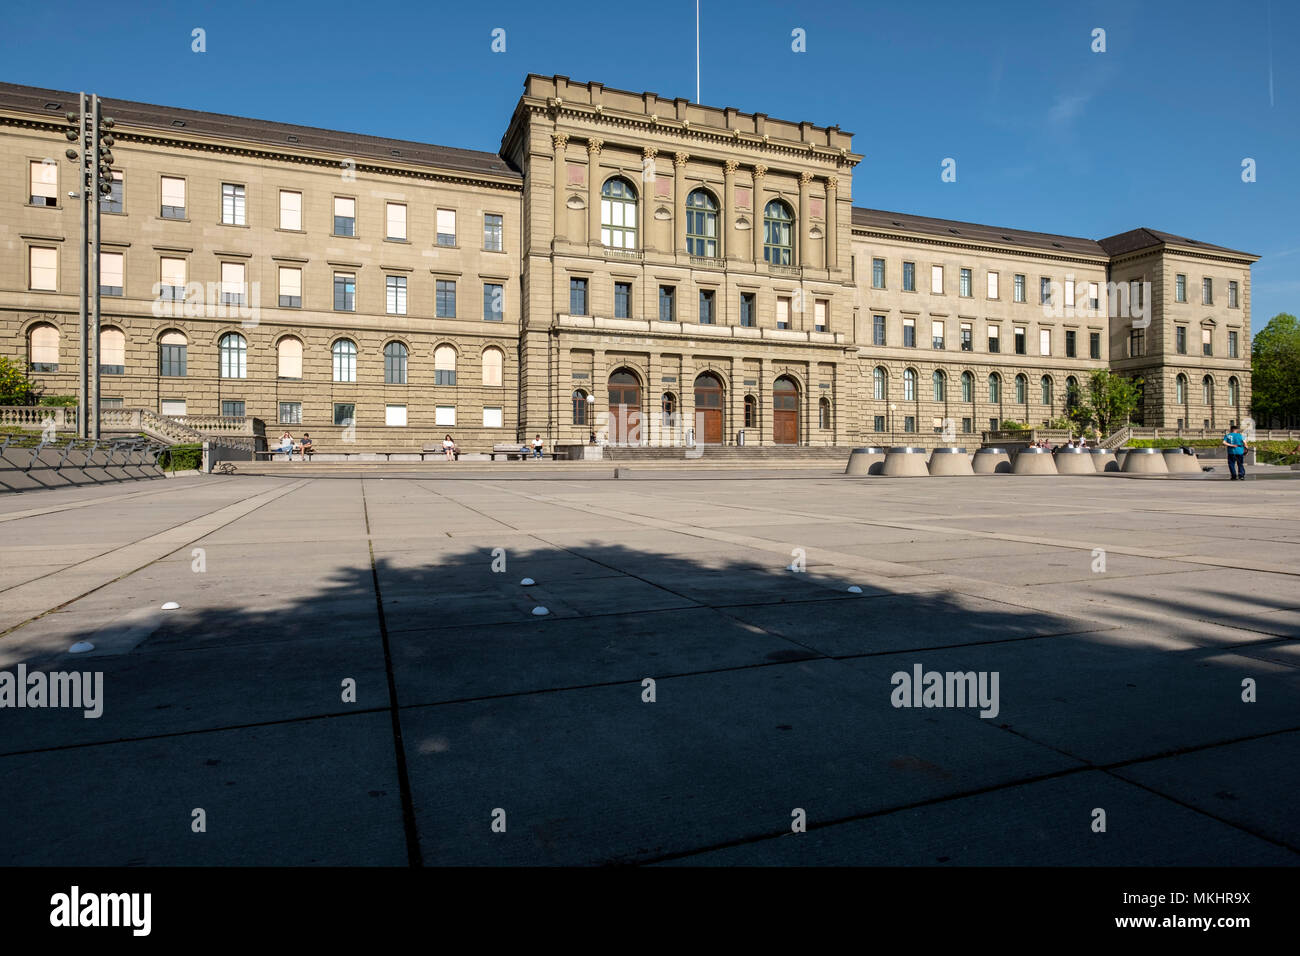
[[437, 450]]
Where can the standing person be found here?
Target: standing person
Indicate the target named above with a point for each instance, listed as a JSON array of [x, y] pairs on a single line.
[[449, 448], [537, 446], [286, 445], [1237, 445]]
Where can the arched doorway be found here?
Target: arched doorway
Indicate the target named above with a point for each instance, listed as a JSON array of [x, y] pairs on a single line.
[[785, 412], [624, 408], [708, 409]]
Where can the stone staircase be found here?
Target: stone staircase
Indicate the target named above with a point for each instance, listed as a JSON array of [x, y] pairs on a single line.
[[728, 453]]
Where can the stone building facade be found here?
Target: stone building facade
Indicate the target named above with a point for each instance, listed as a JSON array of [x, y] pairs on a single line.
[[648, 269]]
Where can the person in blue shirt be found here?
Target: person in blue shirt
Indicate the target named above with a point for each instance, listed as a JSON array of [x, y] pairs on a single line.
[[1236, 444]]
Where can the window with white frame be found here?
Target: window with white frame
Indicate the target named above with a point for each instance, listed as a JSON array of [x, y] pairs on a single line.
[[1044, 341], [444, 415], [43, 269], [232, 284], [111, 272], [232, 205], [395, 294], [290, 287], [492, 417], [43, 188], [936, 280], [173, 198], [395, 416], [446, 227], [345, 216], [395, 220], [993, 285], [290, 210]]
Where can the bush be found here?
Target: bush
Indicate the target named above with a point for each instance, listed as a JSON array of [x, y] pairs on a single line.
[[15, 387], [186, 457], [1013, 426], [59, 401]]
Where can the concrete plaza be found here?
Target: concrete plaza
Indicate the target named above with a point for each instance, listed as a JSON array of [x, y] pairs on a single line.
[[1120, 618]]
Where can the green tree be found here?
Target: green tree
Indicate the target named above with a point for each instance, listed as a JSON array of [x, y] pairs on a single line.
[[15, 387], [1275, 369], [1109, 400]]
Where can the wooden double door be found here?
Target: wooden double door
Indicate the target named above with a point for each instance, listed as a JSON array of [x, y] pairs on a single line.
[[708, 410], [624, 409], [785, 412]]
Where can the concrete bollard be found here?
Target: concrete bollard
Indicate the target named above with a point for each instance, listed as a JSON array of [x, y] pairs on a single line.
[[866, 461], [950, 461], [1144, 461], [1180, 463], [1074, 461], [1033, 461], [1103, 459], [905, 462], [991, 461]]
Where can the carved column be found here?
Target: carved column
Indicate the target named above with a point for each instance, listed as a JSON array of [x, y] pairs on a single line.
[[593, 191], [679, 201], [801, 233], [832, 222], [560, 141], [728, 232], [644, 207], [760, 203]]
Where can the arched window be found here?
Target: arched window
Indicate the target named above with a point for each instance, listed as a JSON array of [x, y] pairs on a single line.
[[1234, 392], [1072, 396], [233, 349], [824, 413], [444, 365], [751, 411], [879, 386], [967, 387], [1180, 390], [1207, 390], [172, 349], [493, 362], [579, 407], [778, 234], [112, 352], [1046, 386], [940, 382], [1022, 390], [618, 214], [394, 364], [345, 360], [289, 358], [702, 224], [669, 404], [995, 389], [909, 385]]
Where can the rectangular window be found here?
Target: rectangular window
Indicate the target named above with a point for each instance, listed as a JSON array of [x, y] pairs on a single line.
[[290, 413], [43, 188], [909, 423], [171, 356], [577, 296], [172, 275], [345, 292], [290, 210], [395, 416], [447, 231], [43, 269], [1135, 295], [909, 333], [111, 269], [1070, 343], [1207, 347], [173, 198], [994, 340], [936, 280], [290, 287], [493, 233], [1069, 293], [748, 314], [1137, 343], [1232, 344], [782, 312], [173, 407], [1094, 296], [114, 202], [820, 308], [345, 216], [444, 415], [1044, 341], [1019, 338], [1180, 339], [232, 409], [667, 303], [345, 414], [936, 334], [967, 345], [395, 220], [1232, 295], [233, 291], [909, 276], [967, 426], [1207, 292], [1180, 288], [964, 284], [1018, 284], [1094, 344], [232, 205], [706, 306], [492, 417], [446, 299], [877, 330], [877, 273], [395, 294], [993, 285], [494, 302], [1044, 290], [879, 422]]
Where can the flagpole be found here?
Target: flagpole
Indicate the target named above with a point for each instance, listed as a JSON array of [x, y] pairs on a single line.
[[697, 51]]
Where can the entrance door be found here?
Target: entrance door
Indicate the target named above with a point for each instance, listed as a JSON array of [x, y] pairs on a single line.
[[624, 409], [785, 412], [708, 410]]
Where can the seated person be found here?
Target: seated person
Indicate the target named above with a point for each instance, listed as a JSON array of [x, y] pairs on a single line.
[[306, 446]]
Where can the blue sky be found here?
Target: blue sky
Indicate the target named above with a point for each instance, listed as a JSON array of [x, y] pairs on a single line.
[[1047, 134]]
